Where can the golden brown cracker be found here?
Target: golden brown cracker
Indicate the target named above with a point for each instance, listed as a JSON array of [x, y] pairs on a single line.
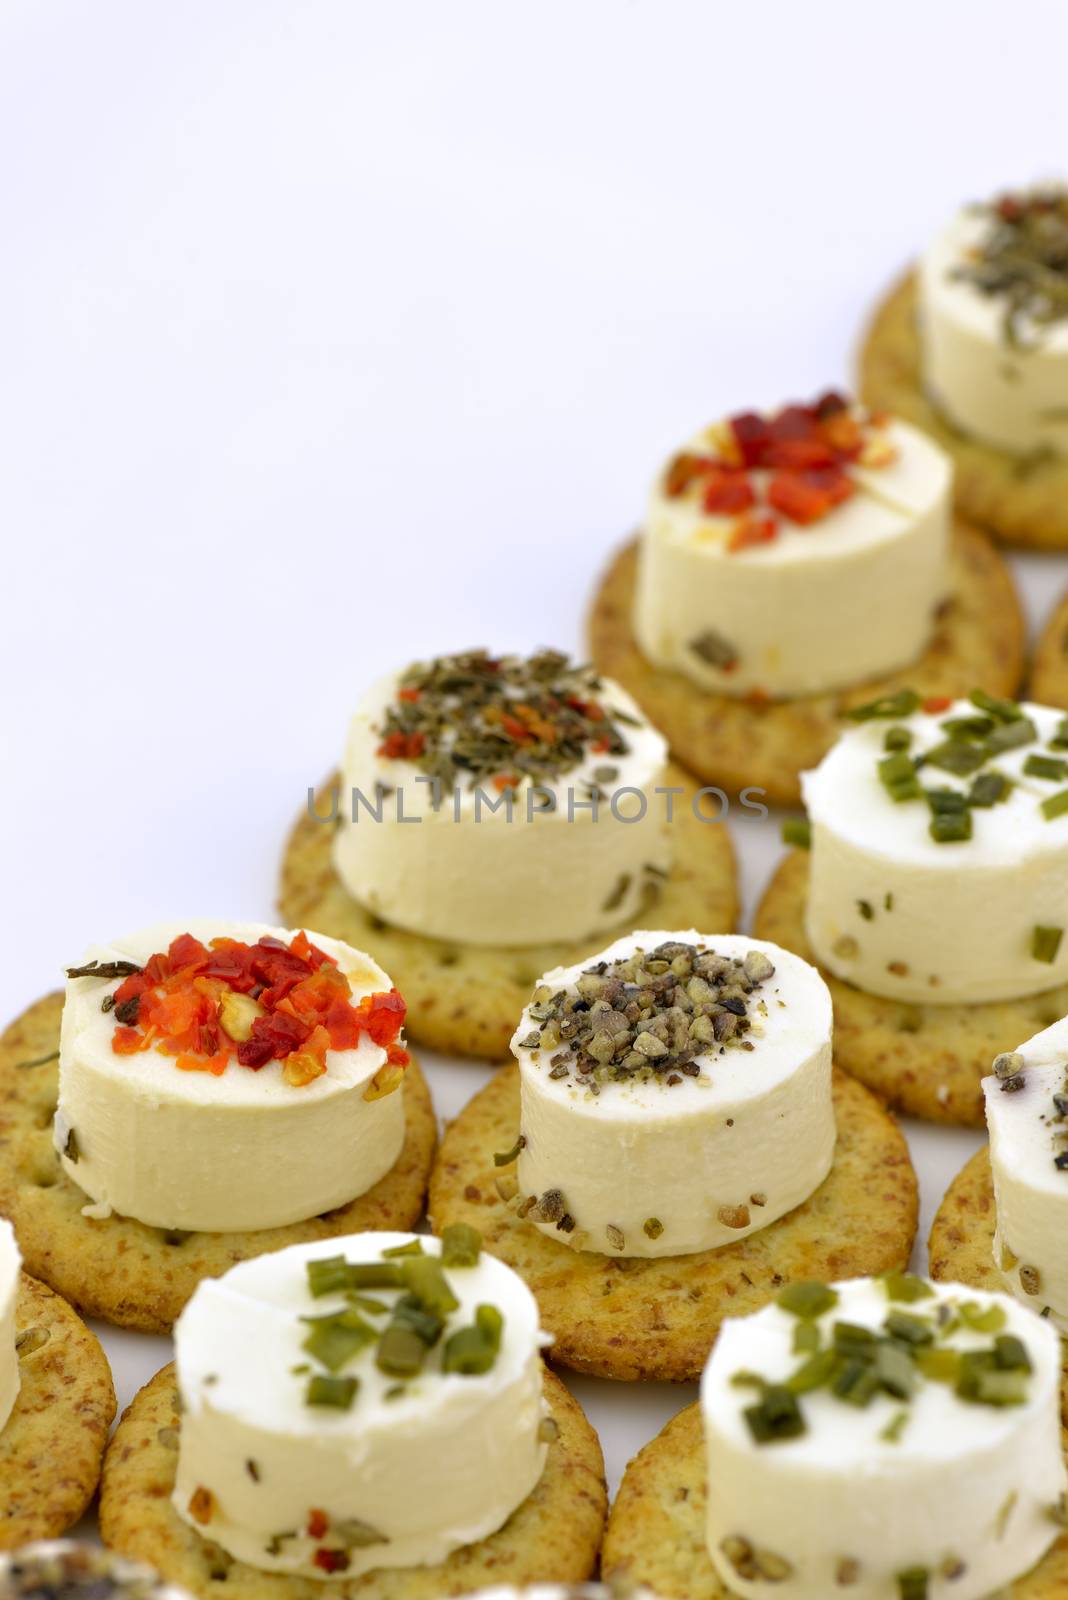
[[1021, 499], [554, 1536], [632, 1318], [1049, 666], [739, 743], [124, 1271], [467, 999], [923, 1060], [53, 1442]]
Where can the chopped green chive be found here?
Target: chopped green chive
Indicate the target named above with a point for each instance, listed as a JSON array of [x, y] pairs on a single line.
[[1060, 736], [901, 704], [989, 788], [461, 1245], [950, 827], [1045, 942], [1047, 767], [324, 1390], [327, 1275], [866, 909], [897, 739], [897, 774], [906, 1286], [981, 1319], [957, 757], [968, 727], [1055, 805], [777, 1416], [893, 1430], [912, 1583], [504, 1158], [335, 1339], [1011, 736], [1003, 710], [401, 1352], [807, 1299], [473, 1350], [424, 1277], [797, 831], [910, 1330], [414, 1247]]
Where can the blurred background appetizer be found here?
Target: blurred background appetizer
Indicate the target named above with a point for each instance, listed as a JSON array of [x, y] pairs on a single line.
[[375, 1405], [792, 563], [57, 1402], [672, 1099], [973, 348], [223, 1088], [878, 1437], [933, 892], [494, 814]]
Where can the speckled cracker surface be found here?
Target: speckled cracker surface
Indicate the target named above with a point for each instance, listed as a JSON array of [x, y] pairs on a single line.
[[961, 1245], [1022, 499], [1049, 668], [554, 1536], [53, 1442], [121, 1270], [924, 1060], [467, 999], [656, 1533], [978, 641], [633, 1318]]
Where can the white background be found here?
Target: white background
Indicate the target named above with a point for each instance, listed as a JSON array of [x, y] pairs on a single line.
[[337, 334]]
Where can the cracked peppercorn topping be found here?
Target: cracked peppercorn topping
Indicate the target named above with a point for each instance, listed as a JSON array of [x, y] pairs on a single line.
[[650, 1015], [471, 717]]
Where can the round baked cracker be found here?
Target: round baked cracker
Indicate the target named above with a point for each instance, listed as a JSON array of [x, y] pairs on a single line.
[[53, 1442], [923, 1060], [121, 1270], [656, 1532], [746, 742], [553, 1537], [1021, 499], [1049, 667], [632, 1318], [961, 1244], [467, 999]]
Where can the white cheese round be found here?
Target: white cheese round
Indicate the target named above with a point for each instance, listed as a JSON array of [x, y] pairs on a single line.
[[442, 1464], [239, 1152], [10, 1264], [798, 614], [1027, 1135], [1010, 396], [896, 913], [534, 864], [663, 1165], [930, 1484]]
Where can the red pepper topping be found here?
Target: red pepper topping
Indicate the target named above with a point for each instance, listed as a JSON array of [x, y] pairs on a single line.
[[209, 1004], [805, 449], [331, 1560], [402, 746], [936, 703], [318, 1523]]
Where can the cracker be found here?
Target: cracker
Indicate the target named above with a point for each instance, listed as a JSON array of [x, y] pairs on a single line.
[[1021, 499], [632, 1318], [53, 1442], [961, 1246], [744, 742], [656, 1533], [121, 1270], [923, 1060], [467, 999], [553, 1536], [1049, 668]]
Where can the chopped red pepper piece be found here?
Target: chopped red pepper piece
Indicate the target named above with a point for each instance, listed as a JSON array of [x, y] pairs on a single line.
[[728, 489], [936, 703]]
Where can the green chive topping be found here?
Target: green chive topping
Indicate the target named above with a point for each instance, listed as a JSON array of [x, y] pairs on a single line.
[[981, 1319], [324, 1390], [1047, 767], [504, 1158], [1011, 736], [776, 1416], [897, 738], [474, 1350], [950, 827], [797, 831], [334, 1340], [807, 1300], [328, 1275], [912, 1583], [401, 1352], [414, 1247], [461, 1245], [1045, 942], [906, 1286], [1060, 736], [897, 774], [901, 704], [1002, 710], [989, 788], [957, 757], [1055, 805], [424, 1277]]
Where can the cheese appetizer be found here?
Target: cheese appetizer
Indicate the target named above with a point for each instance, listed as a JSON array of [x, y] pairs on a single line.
[[60, 1569], [973, 348], [892, 1439], [511, 767], [665, 1057], [672, 1096], [791, 560], [376, 1403], [494, 814], [933, 889], [766, 538], [56, 1405], [204, 1092]]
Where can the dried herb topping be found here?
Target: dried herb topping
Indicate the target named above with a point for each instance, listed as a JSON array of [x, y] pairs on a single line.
[[1023, 261], [649, 1016], [209, 1004], [792, 465], [472, 718]]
